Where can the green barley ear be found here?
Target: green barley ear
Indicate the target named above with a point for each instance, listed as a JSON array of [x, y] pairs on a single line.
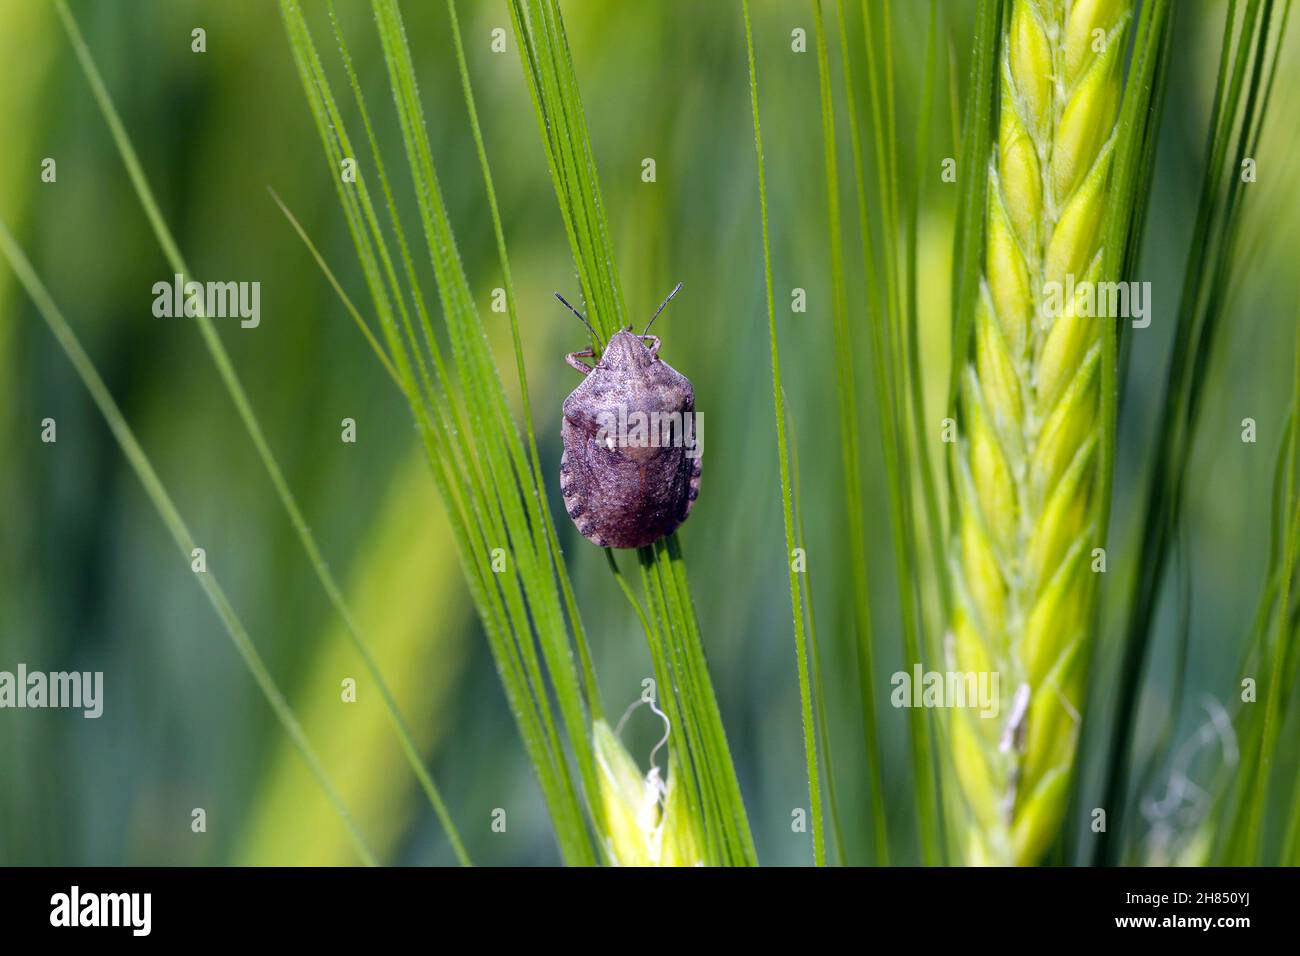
[[1026, 468]]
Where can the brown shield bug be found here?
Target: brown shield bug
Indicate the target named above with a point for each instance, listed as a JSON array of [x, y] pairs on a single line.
[[631, 466]]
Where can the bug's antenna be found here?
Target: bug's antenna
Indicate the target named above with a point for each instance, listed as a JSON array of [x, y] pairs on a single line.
[[664, 305], [581, 318]]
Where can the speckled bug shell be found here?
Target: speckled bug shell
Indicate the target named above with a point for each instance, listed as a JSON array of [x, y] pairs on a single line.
[[622, 496]]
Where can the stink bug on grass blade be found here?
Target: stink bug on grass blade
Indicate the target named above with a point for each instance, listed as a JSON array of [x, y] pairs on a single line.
[[630, 471]]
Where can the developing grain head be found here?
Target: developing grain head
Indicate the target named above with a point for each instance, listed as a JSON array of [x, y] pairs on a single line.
[[645, 822], [1026, 466]]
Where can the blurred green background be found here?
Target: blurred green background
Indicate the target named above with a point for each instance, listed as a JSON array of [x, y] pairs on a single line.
[[90, 581]]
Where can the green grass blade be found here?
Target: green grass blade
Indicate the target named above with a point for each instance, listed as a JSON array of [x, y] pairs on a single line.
[[883, 379], [1240, 102], [1274, 688], [1134, 157], [332, 279], [976, 143], [506, 454], [231, 381], [1290, 855], [176, 526], [548, 532], [842, 357], [819, 686], [485, 484], [912, 331], [892, 367], [783, 456]]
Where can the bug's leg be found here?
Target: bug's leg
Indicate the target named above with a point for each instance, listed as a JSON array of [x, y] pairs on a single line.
[[654, 344], [572, 359]]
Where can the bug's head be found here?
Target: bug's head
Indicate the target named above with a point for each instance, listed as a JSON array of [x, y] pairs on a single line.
[[626, 350]]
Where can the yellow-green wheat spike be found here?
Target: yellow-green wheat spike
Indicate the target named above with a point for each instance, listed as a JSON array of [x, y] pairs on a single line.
[[1030, 425]]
